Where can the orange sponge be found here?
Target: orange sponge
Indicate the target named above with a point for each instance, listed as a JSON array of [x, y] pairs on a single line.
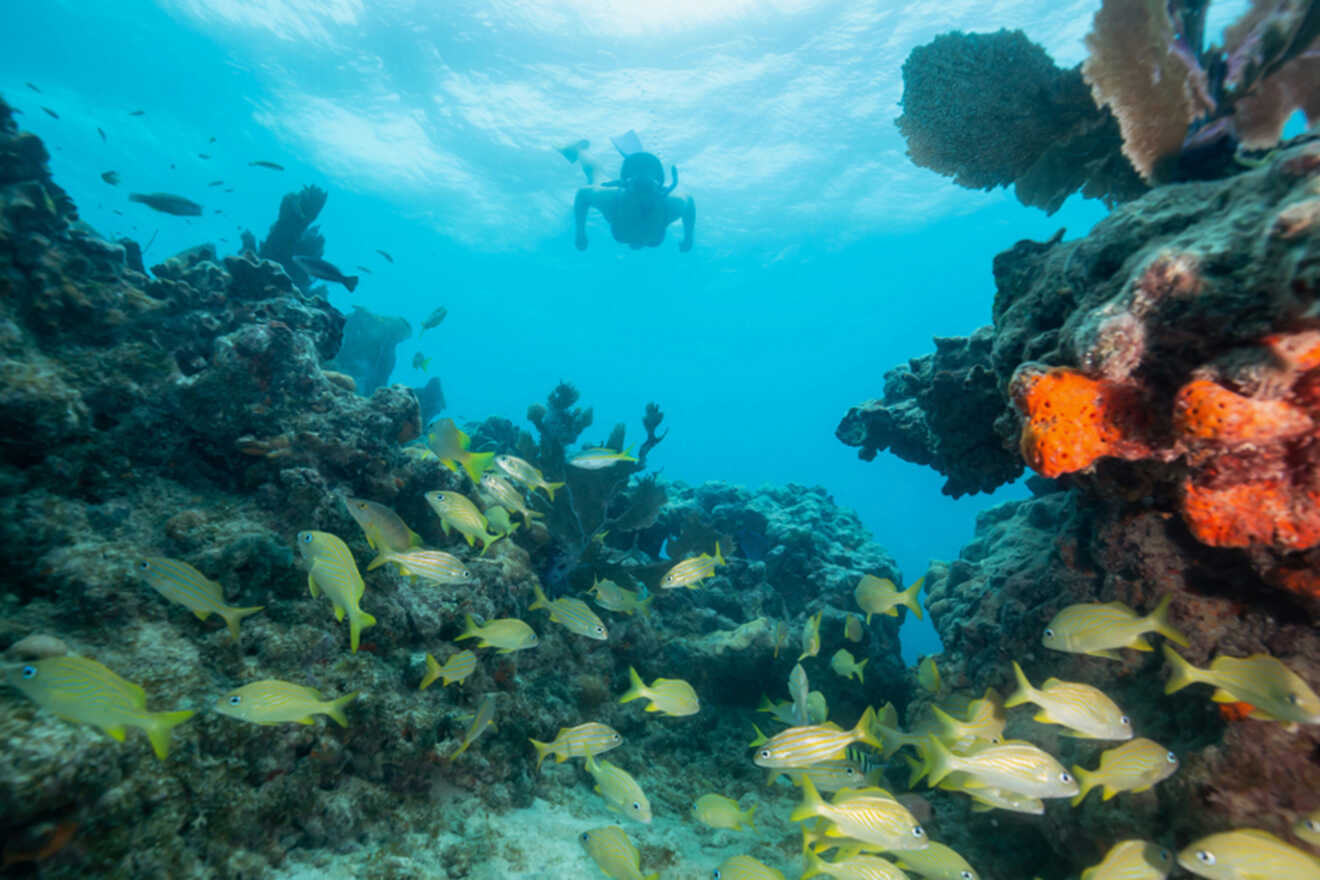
[[1262, 512], [1072, 419], [1205, 412]]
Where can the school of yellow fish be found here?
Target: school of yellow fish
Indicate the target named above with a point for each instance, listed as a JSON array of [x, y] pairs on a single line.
[[959, 747]]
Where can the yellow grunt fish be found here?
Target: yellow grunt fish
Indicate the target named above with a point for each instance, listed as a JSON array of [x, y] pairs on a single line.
[[688, 572], [1134, 766], [1099, 629], [436, 566], [613, 597], [718, 811], [460, 514], [523, 472], [871, 816], [1275, 691], [619, 790], [672, 696], [852, 628], [854, 867], [985, 721], [456, 669], [807, 745], [937, 862], [585, 740], [572, 614], [1015, 766], [279, 702], [598, 458], [614, 853], [1308, 828], [385, 532], [450, 445], [484, 718], [835, 775], [509, 634], [497, 520], [1083, 709], [879, 596], [506, 496], [811, 637], [799, 689], [781, 635], [180, 582], [843, 663], [82, 690], [744, 868], [928, 675], [331, 569], [1132, 860], [1248, 854]]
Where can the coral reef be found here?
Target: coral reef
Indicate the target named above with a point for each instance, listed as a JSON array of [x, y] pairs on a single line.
[[293, 235], [368, 352]]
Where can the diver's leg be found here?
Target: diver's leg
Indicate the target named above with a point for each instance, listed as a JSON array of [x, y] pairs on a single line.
[[577, 152]]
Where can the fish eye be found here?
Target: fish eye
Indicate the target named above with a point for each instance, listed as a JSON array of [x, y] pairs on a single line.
[[765, 754], [918, 831], [600, 629], [1065, 776], [29, 671], [967, 875], [1205, 857], [637, 806], [848, 771], [616, 738], [362, 505], [716, 874], [1125, 721], [144, 565], [1292, 698], [584, 836], [307, 537], [466, 573], [1171, 758], [1049, 633], [1165, 855], [1312, 825], [235, 700]]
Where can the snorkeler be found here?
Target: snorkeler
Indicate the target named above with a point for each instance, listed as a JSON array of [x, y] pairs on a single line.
[[638, 206]]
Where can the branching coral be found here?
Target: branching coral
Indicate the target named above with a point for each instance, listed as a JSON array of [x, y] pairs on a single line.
[[293, 235]]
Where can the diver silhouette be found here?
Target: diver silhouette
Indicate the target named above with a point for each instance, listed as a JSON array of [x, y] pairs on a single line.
[[638, 205]]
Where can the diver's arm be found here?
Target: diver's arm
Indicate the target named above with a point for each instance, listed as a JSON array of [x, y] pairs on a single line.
[[689, 221]]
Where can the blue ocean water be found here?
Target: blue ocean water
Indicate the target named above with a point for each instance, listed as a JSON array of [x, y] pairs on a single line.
[[823, 256]]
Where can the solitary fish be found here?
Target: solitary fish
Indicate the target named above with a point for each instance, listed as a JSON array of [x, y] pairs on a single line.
[[806, 745], [484, 718], [385, 532], [330, 568], [506, 496], [51, 113], [613, 597], [879, 596], [524, 472], [180, 582], [167, 204], [110, 177], [459, 513], [436, 566], [421, 362], [1134, 766], [585, 740], [262, 163], [1099, 629], [1083, 709], [318, 268], [672, 696], [928, 675], [509, 634], [216, 183], [82, 690], [137, 112], [1248, 854], [843, 663], [1132, 860], [718, 811], [572, 614], [620, 790], [852, 628], [688, 572], [612, 851], [869, 815], [101, 132], [385, 255], [434, 319], [598, 458], [457, 668], [32, 87], [1014, 766], [745, 868], [281, 702], [451, 446], [811, 637], [1275, 692], [364, 270]]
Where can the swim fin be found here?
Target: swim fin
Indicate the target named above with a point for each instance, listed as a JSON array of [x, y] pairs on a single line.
[[628, 143]]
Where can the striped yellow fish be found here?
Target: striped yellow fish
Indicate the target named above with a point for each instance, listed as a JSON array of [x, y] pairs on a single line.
[[928, 675], [612, 851], [986, 798], [331, 569], [509, 634], [1132, 860], [450, 445], [572, 614], [613, 597], [843, 663], [484, 719], [460, 514], [1086, 711], [1276, 692], [860, 768], [811, 637], [619, 790], [180, 582], [506, 496], [1134, 766], [82, 690], [1248, 854], [498, 522], [592, 738], [436, 566], [852, 628], [852, 867], [457, 668], [937, 862], [744, 868], [1014, 765], [870, 815], [1308, 828], [523, 472], [690, 571], [879, 596], [672, 696], [280, 702], [718, 811], [385, 532], [985, 721], [810, 744], [1099, 629], [599, 458]]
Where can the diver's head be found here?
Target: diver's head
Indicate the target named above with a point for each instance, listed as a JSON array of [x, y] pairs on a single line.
[[642, 174]]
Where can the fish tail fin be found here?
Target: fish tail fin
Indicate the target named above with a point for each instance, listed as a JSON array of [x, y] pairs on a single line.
[[157, 726], [550, 489], [476, 463], [636, 689], [356, 624], [917, 768], [351, 282], [760, 738], [863, 729], [908, 598], [1182, 673], [380, 560], [432, 673], [542, 749], [939, 761], [1085, 782], [487, 540], [335, 708], [719, 558], [1159, 619], [469, 629], [644, 606], [947, 722], [814, 864], [233, 615], [859, 670], [541, 600], [811, 801], [868, 618], [1025, 693], [749, 816]]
